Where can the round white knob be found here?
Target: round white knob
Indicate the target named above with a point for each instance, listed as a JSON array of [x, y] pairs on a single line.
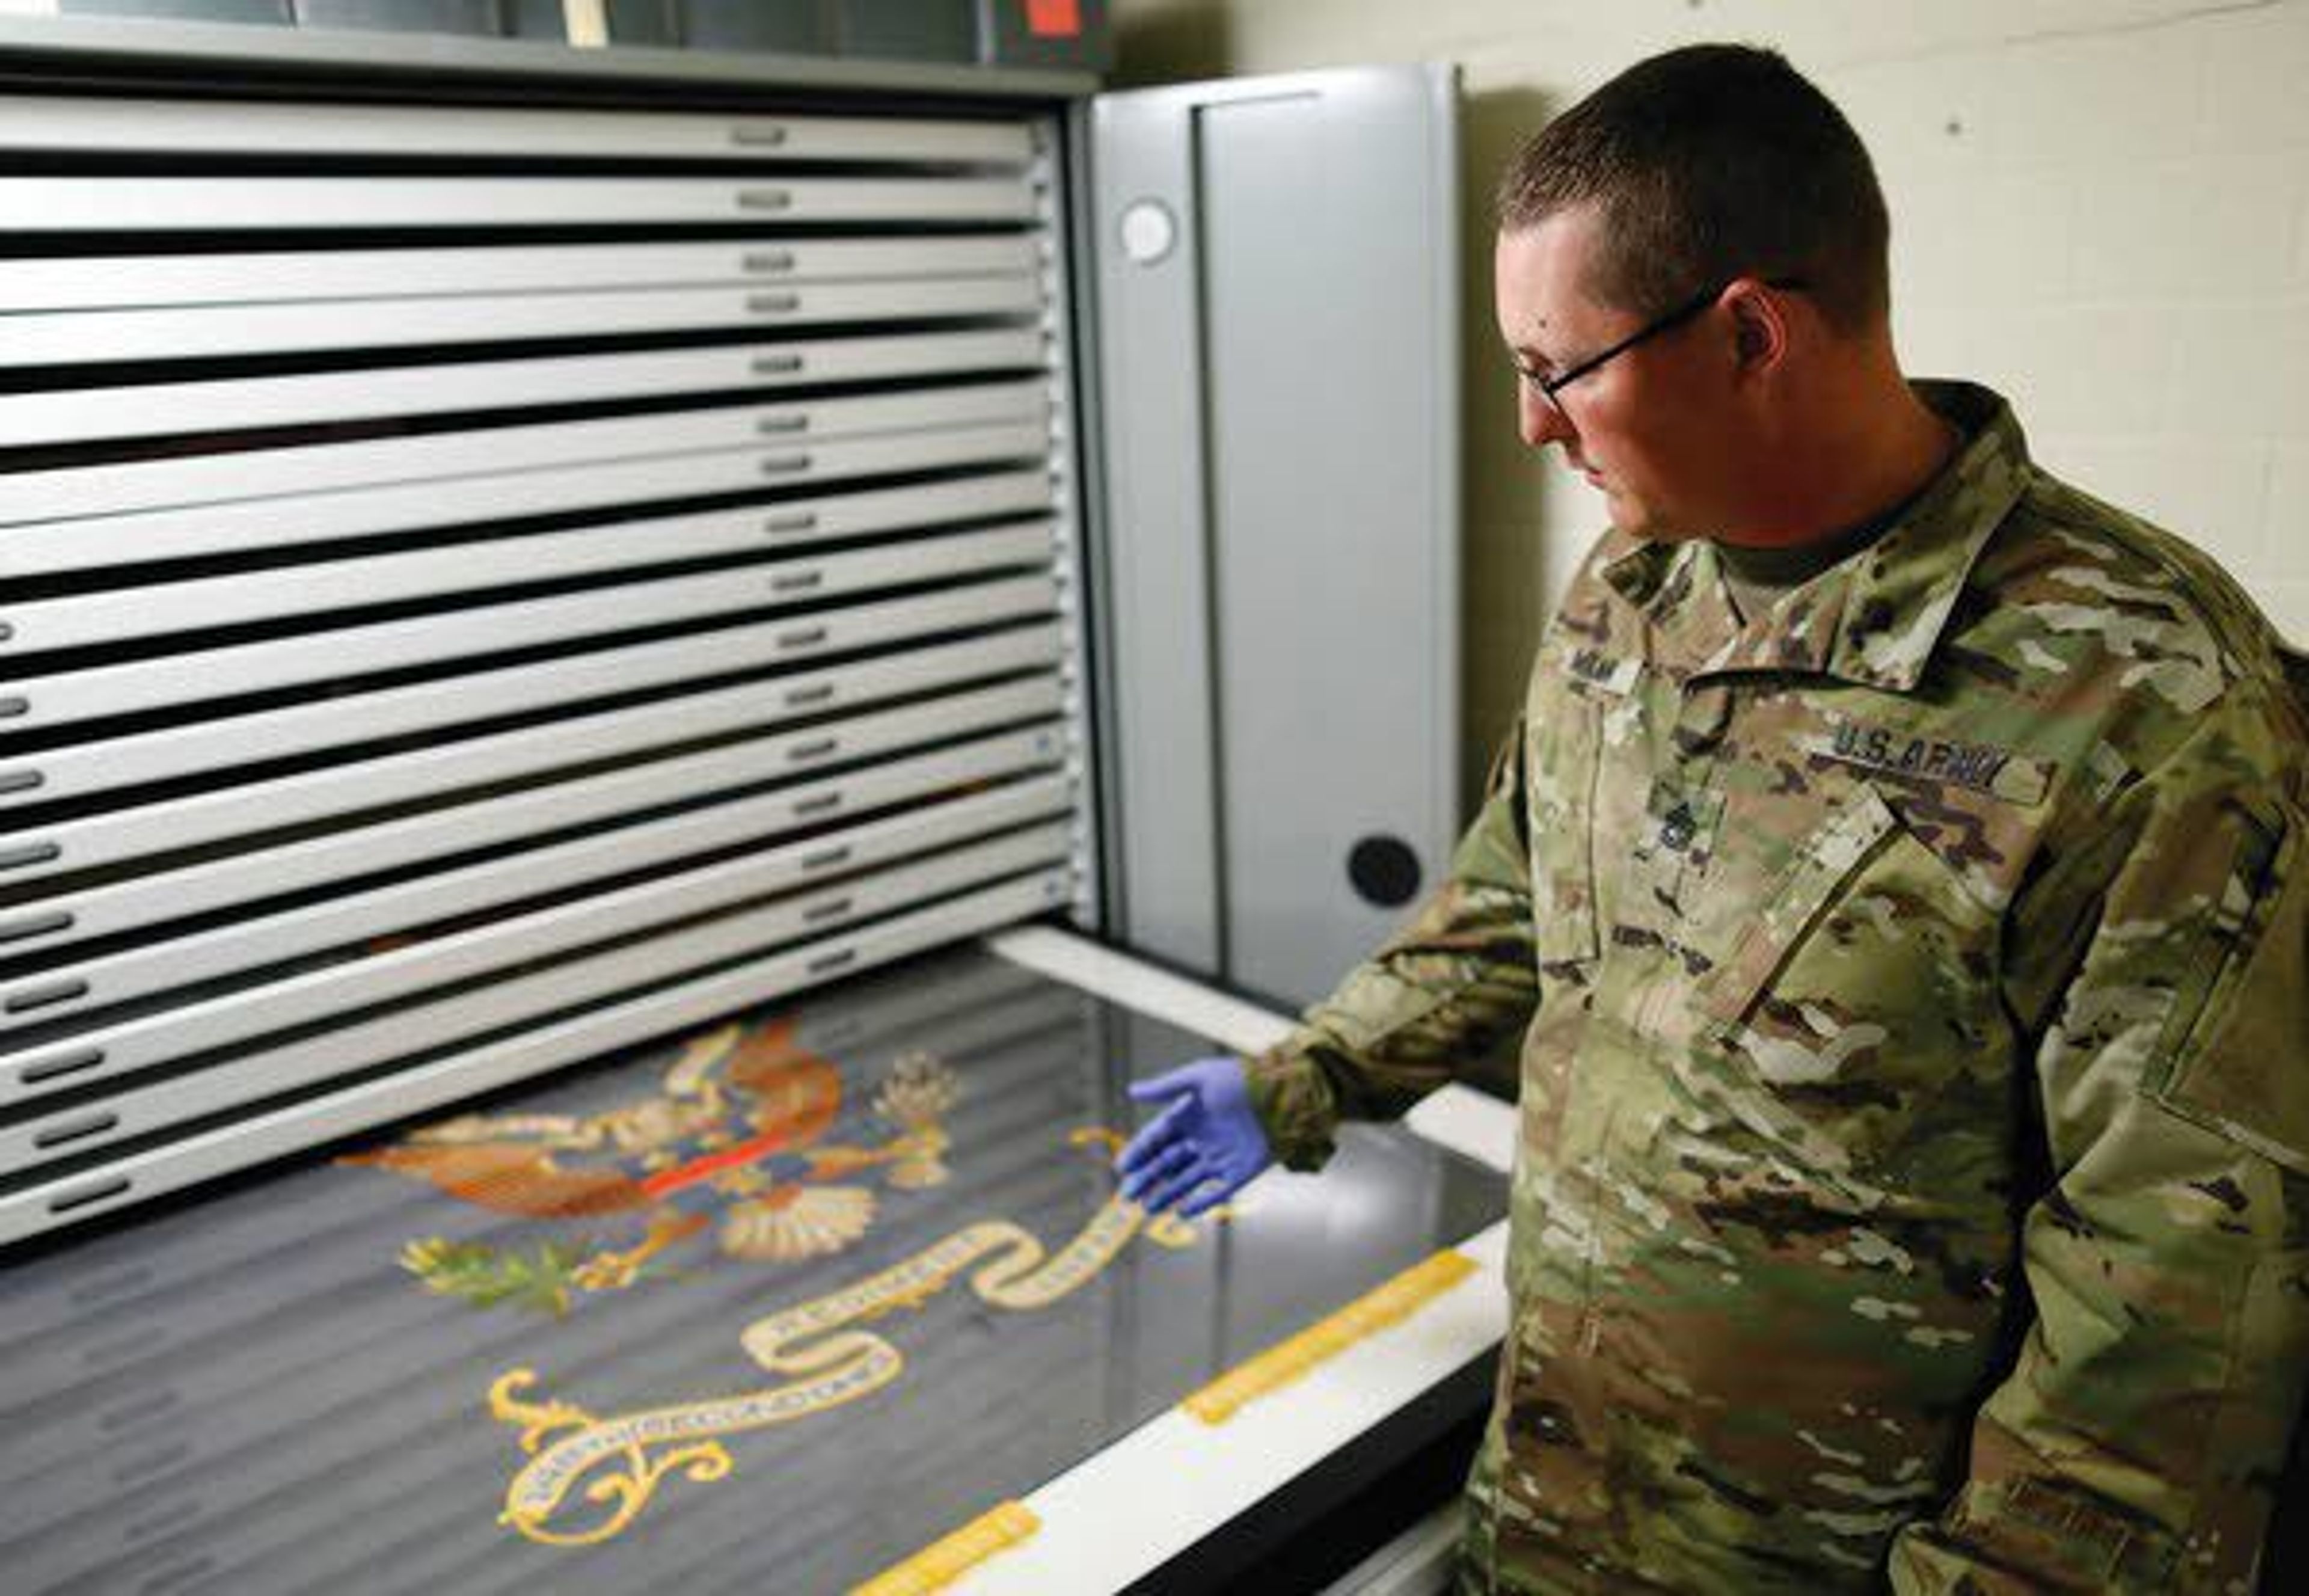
[[1148, 231]]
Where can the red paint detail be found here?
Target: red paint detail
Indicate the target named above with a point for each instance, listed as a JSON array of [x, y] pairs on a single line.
[[1054, 19], [712, 1164]]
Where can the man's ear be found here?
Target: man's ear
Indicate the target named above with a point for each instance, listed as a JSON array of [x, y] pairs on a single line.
[[1760, 325]]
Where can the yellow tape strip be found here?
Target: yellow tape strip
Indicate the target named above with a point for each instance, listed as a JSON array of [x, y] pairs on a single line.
[[942, 1562], [1286, 1361], [586, 22]]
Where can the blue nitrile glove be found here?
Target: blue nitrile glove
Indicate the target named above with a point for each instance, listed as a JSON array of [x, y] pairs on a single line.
[[1203, 1148]]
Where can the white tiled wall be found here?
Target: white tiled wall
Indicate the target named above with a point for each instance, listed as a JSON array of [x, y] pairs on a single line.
[[2100, 207]]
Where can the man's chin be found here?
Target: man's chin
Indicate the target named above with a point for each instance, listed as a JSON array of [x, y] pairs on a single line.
[[1636, 522], [1630, 515]]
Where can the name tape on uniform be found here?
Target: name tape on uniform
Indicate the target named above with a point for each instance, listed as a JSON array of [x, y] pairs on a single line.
[[1977, 767]]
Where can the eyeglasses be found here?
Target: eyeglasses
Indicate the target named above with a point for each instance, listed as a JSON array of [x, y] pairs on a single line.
[[1550, 387]]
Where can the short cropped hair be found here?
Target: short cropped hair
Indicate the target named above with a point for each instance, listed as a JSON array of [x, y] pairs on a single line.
[[1707, 163]]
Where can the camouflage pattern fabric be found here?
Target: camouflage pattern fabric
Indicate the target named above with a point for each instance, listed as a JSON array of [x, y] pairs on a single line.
[[1914, 1176]]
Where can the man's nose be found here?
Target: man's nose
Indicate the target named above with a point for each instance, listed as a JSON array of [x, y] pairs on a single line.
[[1537, 418]]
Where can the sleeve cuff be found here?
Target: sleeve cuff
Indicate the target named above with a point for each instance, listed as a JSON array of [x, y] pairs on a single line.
[[1295, 1105]]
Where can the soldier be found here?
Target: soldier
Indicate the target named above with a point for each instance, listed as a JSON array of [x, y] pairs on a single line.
[[1897, 879]]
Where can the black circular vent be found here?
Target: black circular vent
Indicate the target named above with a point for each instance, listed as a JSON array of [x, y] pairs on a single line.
[[1384, 870]]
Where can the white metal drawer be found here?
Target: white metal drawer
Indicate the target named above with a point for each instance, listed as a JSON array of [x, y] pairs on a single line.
[[155, 408], [91, 491], [227, 278], [790, 521], [180, 533], [224, 332], [183, 127], [34, 205]]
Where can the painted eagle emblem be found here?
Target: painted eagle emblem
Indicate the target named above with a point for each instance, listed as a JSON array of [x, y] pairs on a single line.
[[732, 1142]]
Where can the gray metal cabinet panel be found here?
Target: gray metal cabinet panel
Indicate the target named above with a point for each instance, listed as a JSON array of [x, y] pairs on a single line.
[[1279, 300], [804, 26], [422, 16], [1151, 393], [911, 30], [273, 11]]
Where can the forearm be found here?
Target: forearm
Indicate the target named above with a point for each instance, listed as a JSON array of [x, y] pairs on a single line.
[[1388, 1037], [1441, 997]]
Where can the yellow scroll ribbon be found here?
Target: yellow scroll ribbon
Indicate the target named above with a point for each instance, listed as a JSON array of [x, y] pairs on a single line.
[[826, 1363]]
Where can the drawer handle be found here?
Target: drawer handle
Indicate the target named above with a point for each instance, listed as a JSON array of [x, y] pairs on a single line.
[[38, 853], [818, 805], [797, 581], [833, 909], [40, 997], [21, 781], [6, 631], [11, 707], [773, 304], [768, 137], [828, 859], [776, 365], [785, 526], [782, 426], [34, 925], [832, 961], [785, 465], [802, 698], [764, 199], [78, 1129], [814, 751], [98, 1192], [808, 636], [767, 260], [70, 1063]]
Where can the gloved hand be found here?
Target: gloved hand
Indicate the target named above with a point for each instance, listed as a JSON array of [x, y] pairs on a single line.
[[1203, 1148]]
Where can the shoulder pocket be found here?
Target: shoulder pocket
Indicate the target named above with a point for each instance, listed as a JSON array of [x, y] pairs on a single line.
[[1835, 850], [2234, 1054]]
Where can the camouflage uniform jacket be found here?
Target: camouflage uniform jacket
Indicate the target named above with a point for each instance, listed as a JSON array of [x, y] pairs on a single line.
[[1913, 1172]]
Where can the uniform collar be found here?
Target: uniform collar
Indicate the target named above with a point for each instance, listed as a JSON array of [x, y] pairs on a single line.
[[1873, 619]]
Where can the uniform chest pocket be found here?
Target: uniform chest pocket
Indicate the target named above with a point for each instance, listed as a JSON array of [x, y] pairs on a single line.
[[1833, 854], [1855, 991]]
